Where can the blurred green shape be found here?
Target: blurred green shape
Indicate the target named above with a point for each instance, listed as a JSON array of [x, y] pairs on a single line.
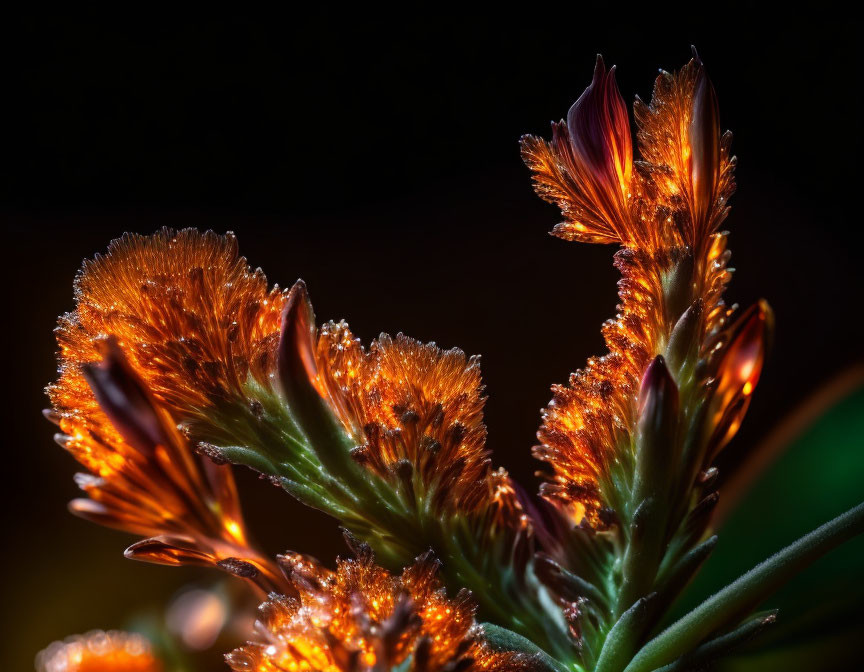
[[818, 475]]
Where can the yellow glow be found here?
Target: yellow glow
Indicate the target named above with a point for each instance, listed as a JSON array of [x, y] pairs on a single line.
[[235, 531]]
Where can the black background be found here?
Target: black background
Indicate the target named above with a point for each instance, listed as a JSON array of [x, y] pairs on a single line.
[[375, 155]]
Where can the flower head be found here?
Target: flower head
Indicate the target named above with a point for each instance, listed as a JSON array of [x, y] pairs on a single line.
[[361, 617], [413, 411], [409, 406], [193, 319]]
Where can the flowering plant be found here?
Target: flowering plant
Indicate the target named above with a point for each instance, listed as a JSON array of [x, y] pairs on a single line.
[[180, 362]]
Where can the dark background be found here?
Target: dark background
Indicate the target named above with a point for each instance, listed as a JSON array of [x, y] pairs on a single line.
[[376, 156]]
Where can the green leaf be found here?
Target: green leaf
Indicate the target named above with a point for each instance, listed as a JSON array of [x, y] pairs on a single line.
[[722, 645], [624, 636], [744, 594], [673, 579], [502, 639]]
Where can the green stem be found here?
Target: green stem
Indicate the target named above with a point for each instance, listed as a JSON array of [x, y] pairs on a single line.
[[746, 592]]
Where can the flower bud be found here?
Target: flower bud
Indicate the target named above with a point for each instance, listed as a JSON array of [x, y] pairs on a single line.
[[684, 339], [656, 448], [738, 373], [303, 394], [704, 134], [599, 130], [295, 361], [679, 286], [658, 412]]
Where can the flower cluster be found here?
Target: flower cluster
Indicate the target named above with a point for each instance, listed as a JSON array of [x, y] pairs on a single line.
[[179, 362], [665, 212]]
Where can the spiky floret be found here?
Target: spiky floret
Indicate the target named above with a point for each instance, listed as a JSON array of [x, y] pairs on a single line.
[[191, 316], [361, 617], [99, 651], [667, 210], [410, 414], [410, 408]]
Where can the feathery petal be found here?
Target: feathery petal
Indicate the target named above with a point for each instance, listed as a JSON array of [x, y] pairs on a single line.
[[586, 169], [685, 158], [145, 477]]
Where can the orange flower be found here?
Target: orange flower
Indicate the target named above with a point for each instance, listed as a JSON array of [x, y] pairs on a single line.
[[99, 651], [191, 316], [361, 617], [145, 478], [672, 262], [199, 332], [413, 411], [409, 406]]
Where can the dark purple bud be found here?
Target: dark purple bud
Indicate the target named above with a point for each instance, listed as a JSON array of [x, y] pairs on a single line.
[[124, 399], [599, 129], [658, 395], [295, 357]]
